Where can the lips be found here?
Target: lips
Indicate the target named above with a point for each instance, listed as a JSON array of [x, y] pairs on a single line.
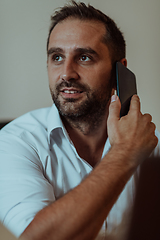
[[71, 91]]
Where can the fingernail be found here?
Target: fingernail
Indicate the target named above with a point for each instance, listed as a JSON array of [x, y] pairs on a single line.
[[114, 98]]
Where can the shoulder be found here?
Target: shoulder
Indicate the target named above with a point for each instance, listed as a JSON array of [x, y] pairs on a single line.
[[28, 121], [26, 134]]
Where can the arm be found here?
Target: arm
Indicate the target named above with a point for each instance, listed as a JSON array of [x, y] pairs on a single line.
[[81, 212]]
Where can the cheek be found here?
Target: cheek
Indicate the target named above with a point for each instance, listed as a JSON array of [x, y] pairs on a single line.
[[52, 76], [99, 79]]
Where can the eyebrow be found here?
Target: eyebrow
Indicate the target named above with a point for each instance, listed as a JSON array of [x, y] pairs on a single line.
[[86, 50], [54, 50], [77, 50]]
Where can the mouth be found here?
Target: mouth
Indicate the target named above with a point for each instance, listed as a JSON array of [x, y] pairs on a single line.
[[71, 93]]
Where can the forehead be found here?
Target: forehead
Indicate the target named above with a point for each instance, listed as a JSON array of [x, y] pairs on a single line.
[[77, 33]]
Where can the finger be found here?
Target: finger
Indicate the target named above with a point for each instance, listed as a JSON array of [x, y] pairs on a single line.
[[153, 126], [114, 108], [147, 117], [135, 104], [152, 131]]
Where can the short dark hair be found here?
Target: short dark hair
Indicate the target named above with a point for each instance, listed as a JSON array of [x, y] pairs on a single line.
[[113, 39]]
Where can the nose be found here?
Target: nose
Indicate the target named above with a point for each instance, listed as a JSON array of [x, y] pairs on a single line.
[[69, 71]]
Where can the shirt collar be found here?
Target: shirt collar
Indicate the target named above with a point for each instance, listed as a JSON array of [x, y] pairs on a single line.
[[54, 121]]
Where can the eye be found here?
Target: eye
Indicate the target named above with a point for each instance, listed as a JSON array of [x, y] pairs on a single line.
[[57, 58], [84, 58]]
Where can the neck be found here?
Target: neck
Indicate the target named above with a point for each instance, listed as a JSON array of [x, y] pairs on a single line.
[[88, 137]]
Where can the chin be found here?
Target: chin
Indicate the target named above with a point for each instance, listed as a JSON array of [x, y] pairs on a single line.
[[70, 110]]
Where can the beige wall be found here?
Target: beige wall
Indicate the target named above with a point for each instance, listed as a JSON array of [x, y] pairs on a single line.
[[23, 33]]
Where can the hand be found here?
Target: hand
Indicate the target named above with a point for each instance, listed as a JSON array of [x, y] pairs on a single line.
[[134, 133]]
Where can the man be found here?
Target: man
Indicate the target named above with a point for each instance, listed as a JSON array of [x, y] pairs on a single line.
[[67, 171]]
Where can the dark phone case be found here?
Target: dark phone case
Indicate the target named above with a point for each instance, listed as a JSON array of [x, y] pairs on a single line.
[[126, 86]]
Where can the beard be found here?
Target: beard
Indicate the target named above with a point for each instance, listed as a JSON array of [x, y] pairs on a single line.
[[90, 110]]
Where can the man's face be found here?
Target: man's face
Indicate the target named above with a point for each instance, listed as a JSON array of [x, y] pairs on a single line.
[[79, 67]]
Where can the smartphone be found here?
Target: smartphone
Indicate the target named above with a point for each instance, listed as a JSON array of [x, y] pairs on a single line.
[[126, 87]]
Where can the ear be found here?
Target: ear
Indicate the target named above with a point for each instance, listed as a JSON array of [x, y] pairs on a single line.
[[124, 61]]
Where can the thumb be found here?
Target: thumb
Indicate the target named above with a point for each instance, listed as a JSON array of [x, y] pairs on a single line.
[[114, 108]]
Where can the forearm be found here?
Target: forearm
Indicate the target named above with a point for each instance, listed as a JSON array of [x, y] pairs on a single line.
[[81, 212]]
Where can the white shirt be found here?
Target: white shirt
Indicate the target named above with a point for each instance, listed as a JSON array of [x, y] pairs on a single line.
[[39, 164]]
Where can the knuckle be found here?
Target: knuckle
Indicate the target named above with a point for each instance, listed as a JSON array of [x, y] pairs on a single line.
[[153, 126], [155, 141], [147, 117], [153, 137]]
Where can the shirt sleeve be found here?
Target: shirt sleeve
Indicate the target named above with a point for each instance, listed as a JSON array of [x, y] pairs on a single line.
[[24, 190]]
